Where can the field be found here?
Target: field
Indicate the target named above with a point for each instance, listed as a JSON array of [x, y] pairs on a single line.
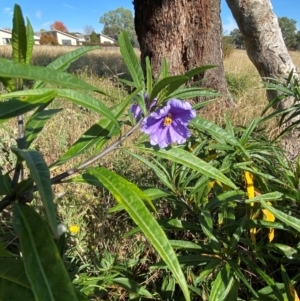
[[101, 233]]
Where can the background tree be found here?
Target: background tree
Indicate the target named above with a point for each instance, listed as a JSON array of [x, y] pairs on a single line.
[[58, 25], [48, 39], [94, 38], [88, 29], [117, 20], [288, 29], [187, 33], [298, 39], [237, 38]]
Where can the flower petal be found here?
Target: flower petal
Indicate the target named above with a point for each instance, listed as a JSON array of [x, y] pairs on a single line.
[[181, 111]]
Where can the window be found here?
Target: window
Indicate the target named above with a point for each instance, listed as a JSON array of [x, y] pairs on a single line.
[[66, 42], [6, 41]]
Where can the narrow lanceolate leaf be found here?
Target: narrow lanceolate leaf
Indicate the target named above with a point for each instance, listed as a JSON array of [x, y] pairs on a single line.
[[186, 93], [5, 184], [131, 60], [198, 70], [13, 69], [221, 135], [98, 133], [222, 285], [289, 287], [189, 160], [149, 75], [135, 207], [21, 102], [13, 291], [12, 269], [36, 123], [30, 41], [40, 174], [132, 286], [88, 102], [8, 83], [64, 61], [19, 39], [168, 84], [44, 267], [285, 218]]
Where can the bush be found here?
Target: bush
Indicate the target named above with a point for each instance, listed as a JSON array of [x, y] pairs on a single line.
[[48, 39]]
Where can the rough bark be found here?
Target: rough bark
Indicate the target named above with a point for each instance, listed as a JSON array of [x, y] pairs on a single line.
[[188, 33], [266, 49]]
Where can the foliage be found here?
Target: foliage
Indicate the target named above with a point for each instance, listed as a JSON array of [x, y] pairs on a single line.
[[48, 39], [237, 38], [221, 217], [59, 25], [94, 38], [288, 29], [117, 20]]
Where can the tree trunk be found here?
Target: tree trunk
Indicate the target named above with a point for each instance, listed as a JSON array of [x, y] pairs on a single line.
[[188, 33], [263, 39], [266, 49]]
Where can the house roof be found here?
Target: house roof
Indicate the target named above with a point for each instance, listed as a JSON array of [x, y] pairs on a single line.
[[6, 31], [61, 32], [108, 37]]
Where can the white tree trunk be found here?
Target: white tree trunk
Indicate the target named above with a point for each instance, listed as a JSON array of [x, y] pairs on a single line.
[[263, 39], [266, 49]]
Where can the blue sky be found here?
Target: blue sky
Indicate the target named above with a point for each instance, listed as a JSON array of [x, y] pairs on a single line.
[[76, 14]]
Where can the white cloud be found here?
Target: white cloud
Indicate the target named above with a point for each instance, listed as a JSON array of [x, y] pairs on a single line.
[[46, 25], [38, 14], [7, 11], [68, 6], [229, 25]]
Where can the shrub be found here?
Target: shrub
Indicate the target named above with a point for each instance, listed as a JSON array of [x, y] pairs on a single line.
[[48, 39]]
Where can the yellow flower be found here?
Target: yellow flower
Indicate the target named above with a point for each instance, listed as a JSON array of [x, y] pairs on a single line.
[[74, 229]]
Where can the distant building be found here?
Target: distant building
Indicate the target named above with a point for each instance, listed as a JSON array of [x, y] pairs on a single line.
[[61, 37], [5, 37], [103, 39]]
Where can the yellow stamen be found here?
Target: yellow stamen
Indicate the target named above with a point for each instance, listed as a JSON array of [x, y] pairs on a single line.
[[168, 120]]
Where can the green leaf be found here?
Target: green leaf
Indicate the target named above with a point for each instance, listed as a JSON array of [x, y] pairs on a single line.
[[186, 93], [287, 219], [30, 41], [132, 203], [249, 131], [5, 184], [288, 285], [222, 285], [40, 174], [36, 123], [88, 102], [149, 76], [189, 160], [170, 84], [132, 286], [43, 265], [4, 252], [8, 83], [12, 269], [13, 69], [267, 197], [162, 176], [64, 61], [100, 132], [19, 39], [221, 135], [236, 236], [15, 292], [131, 60], [198, 70], [24, 101]]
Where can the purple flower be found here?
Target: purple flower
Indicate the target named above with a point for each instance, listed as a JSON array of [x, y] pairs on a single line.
[[169, 124]]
